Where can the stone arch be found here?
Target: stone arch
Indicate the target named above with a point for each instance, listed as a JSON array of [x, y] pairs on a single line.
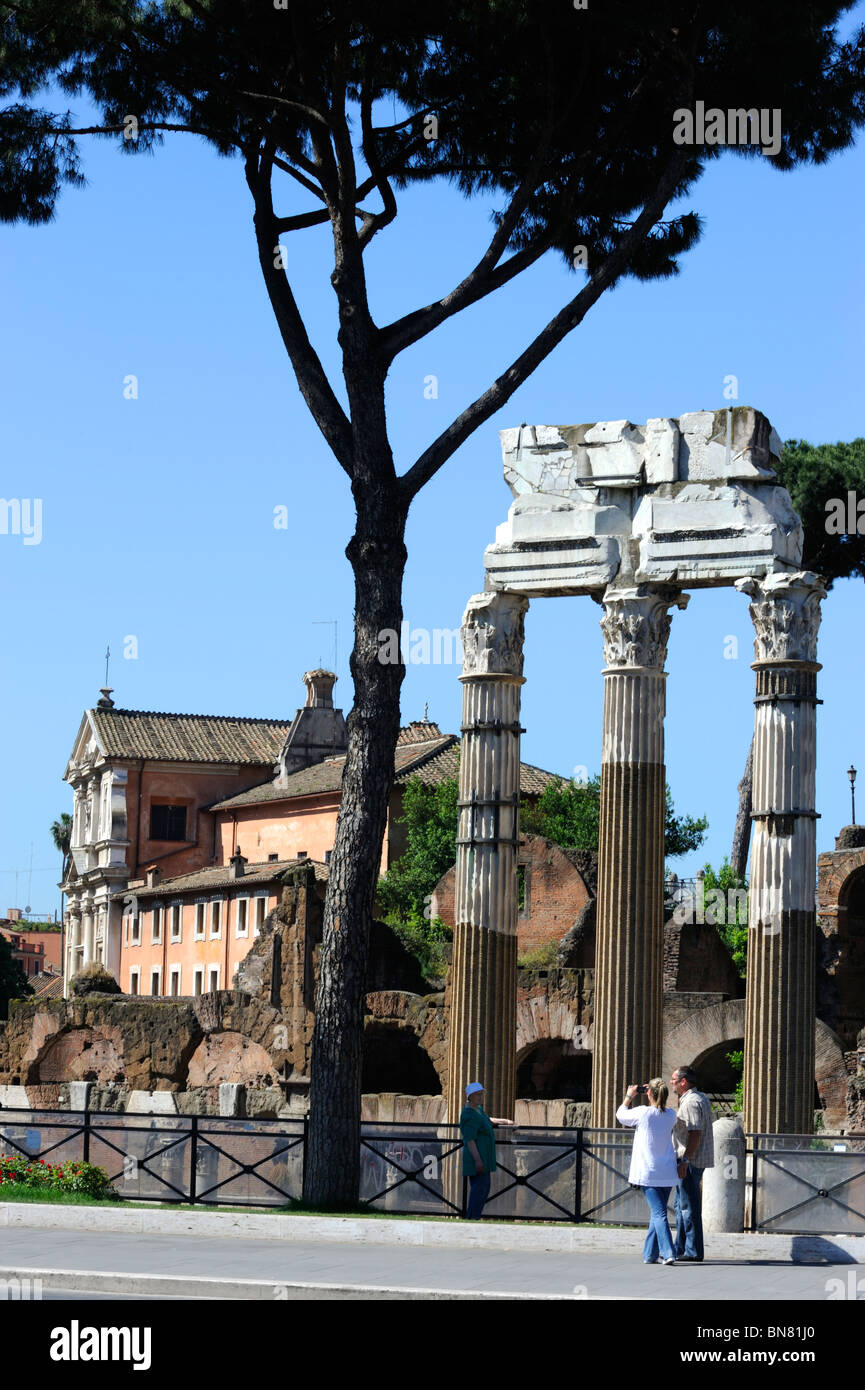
[[538, 1020], [553, 1069], [851, 895], [228, 1055], [704, 1029], [80, 1054], [394, 1059]]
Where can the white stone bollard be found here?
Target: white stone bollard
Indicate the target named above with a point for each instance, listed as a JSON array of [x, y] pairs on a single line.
[[232, 1098], [724, 1185]]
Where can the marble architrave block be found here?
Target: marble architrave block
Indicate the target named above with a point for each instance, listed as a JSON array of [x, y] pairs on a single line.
[[690, 500]]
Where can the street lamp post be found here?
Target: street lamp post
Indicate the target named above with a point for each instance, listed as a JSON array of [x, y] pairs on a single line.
[[851, 773]]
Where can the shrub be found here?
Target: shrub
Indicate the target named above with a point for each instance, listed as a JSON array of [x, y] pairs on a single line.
[[94, 979], [72, 1176]]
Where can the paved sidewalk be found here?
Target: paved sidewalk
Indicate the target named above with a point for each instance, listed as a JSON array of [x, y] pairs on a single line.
[[236, 1267]]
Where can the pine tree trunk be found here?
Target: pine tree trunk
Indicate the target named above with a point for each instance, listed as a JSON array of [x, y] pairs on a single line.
[[742, 832], [332, 1162]]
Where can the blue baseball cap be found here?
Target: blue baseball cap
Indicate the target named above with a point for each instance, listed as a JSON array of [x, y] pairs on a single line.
[[473, 1087]]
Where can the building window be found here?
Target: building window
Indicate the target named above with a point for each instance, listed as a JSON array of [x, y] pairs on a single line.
[[199, 921], [135, 930], [242, 924], [213, 983], [134, 976], [272, 858], [260, 914], [215, 918], [198, 980], [176, 919], [156, 980], [174, 981], [168, 822], [156, 927]]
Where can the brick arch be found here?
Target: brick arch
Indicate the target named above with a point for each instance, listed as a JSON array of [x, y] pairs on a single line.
[[228, 1055], [852, 883], [79, 1054], [705, 1029], [538, 1022]]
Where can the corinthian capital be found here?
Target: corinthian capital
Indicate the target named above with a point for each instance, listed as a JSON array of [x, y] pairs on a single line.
[[492, 635], [785, 609], [636, 624]]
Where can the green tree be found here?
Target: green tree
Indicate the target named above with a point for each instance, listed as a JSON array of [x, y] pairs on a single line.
[[816, 476], [569, 813], [564, 116], [430, 817], [61, 834], [731, 921], [737, 1062], [13, 982]]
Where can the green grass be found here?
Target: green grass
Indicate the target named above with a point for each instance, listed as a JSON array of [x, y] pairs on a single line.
[[17, 1192]]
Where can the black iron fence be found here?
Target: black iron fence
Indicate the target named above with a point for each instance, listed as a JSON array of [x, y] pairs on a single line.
[[541, 1175], [798, 1184], [808, 1184]]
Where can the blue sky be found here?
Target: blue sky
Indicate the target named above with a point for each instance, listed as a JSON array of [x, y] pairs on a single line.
[[158, 512]]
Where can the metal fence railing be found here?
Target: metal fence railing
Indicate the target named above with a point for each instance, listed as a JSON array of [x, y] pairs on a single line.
[[799, 1184], [808, 1184]]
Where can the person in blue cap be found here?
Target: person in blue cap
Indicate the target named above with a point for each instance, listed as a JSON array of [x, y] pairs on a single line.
[[479, 1148]]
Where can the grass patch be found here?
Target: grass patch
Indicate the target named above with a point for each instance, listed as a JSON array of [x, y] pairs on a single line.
[[19, 1192]]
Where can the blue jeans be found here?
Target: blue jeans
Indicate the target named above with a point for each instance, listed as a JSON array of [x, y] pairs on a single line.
[[479, 1190], [689, 1215], [658, 1236]]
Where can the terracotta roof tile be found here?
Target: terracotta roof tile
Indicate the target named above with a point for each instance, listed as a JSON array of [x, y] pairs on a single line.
[[444, 764], [327, 776], [199, 738], [219, 876]]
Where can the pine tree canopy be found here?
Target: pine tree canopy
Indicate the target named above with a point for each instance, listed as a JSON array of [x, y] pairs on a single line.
[[568, 112]]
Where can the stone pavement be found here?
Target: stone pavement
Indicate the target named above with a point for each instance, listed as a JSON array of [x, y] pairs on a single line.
[[237, 1267]]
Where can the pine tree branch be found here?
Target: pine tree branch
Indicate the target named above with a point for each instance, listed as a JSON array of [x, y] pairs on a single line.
[[311, 377], [428, 464], [374, 223]]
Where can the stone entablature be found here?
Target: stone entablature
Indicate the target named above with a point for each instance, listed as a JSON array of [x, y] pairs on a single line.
[[691, 501]]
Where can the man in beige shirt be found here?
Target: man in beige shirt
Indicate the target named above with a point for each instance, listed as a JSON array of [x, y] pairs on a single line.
[[695, 1147]]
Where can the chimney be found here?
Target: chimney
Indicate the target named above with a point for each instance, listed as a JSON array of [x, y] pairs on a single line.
[[237, 863], [319, 689], [152, 875], [317, 731]]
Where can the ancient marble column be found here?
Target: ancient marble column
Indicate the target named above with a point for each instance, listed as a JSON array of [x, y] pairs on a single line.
[[629, 975], [483, 986], [73, 941], [780, 988], [89, 931]]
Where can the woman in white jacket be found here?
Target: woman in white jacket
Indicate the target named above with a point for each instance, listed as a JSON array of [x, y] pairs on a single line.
[[653, 1163]]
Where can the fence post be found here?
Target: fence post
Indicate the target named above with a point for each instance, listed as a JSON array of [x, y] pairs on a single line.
[[303, 1154], [755, 1158], [193, 1159], [86, 1136], [578, 1178]]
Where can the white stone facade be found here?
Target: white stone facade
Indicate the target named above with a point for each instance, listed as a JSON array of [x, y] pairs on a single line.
[[98, 868]]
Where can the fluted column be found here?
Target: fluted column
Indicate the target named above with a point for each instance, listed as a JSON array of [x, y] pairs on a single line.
[[483, 986], [73, 941], [780, 987], [629, 976], [89, 927]]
